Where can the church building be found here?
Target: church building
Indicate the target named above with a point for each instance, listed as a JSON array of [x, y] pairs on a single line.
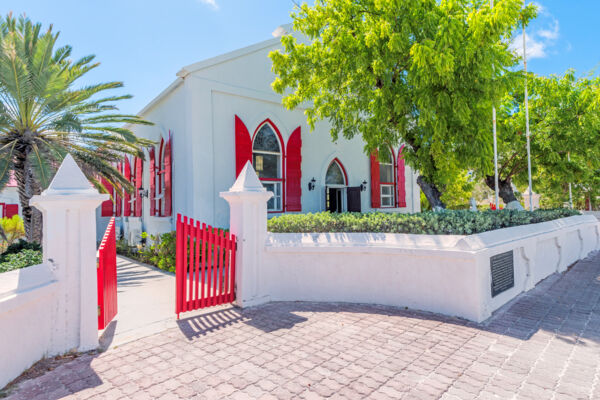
[[220, 113]]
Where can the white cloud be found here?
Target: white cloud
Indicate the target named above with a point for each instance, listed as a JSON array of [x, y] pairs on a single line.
[[212, 3], [550, 34], [535, 48], [538, 42]]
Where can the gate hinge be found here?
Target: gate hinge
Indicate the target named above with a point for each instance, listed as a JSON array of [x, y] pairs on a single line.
[[98, 310]]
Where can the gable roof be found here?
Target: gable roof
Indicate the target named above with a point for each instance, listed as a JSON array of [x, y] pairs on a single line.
[[220, 59]]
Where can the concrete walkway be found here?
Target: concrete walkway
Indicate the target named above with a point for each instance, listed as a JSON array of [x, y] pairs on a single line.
[[543, 345], [146, 303]]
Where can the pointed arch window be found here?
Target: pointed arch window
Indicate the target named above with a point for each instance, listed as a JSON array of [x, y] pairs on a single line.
[[267, 159], [335, 174], [387, 181]]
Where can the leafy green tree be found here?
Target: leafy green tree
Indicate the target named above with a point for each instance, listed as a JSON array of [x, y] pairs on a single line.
[[420, 72], [564, 114], [43, 116]]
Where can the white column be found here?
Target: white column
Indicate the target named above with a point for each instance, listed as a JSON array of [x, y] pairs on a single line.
[[247, 200], [69, 214]]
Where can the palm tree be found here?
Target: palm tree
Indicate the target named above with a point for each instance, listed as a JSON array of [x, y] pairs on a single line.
[[44, 116]]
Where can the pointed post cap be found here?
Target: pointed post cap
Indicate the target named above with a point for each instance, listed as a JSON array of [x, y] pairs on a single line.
[[69, 179], [247, 187], [247, 181]]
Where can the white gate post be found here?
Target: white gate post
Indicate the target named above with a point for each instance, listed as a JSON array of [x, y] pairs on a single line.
[[247, 200], [69, 214]]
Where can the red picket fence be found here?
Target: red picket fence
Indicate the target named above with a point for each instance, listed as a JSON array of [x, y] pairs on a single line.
[[205, 266], [107, 276]]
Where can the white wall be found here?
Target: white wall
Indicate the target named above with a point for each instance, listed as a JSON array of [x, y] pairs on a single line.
[[442, 274], [26, 306], [51, 308]]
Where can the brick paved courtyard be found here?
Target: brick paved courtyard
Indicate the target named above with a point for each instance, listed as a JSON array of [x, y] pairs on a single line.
[[546, 345]]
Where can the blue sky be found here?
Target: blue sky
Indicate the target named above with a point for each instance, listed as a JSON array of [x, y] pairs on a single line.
[[145, 42]]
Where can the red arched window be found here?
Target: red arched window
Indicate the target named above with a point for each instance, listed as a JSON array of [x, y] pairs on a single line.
[[336, 182], [387, 180], [113, 206], [277, 166], [160, 179], [267, 158]]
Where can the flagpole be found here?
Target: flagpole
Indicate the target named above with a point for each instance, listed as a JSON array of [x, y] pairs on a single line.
[[570, 191], [495, 146], [527, 120]]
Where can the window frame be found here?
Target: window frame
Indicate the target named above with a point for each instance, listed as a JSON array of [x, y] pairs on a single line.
[[281, 163], [392, 184]]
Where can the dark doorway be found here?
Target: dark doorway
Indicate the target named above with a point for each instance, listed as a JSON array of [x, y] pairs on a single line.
[[334, 200], [353, 199]]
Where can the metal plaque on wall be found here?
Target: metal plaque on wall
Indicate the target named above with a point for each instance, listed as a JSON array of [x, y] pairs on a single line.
[[503, 272]]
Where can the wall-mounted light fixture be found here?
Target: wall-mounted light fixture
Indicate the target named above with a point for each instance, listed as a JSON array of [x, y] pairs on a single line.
[[311, 184], [143, 192], [363, 186]]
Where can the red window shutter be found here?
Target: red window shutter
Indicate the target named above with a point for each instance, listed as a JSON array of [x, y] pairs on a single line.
[[118, 199], [10, 210], [293, 164], [375, 190], [243, 146], [139, 171], [152, 192], [127, 196], [107, 205], [401, 180], [168, 176]]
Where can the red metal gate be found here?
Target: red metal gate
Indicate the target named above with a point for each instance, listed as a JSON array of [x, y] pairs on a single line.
[[107, 276], [205, 266]]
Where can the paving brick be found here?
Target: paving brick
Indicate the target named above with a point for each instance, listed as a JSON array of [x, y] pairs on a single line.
[[545, 344]]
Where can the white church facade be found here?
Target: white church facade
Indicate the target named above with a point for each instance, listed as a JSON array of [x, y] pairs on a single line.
[[220, 113]]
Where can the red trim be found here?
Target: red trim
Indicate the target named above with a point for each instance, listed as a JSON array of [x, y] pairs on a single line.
[[161, 176], [168, 177], [139, 173], [127, 196], [293, 187], [375, 188], [152, 192], [283, 159], [243, 146], [338, 162], [107, 206], [118, 194], [9, 210], [401, 179]]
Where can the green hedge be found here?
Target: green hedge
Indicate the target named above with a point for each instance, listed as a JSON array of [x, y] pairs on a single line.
[[449, 222], [25, 258]]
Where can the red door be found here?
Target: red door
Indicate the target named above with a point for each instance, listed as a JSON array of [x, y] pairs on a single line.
[[107, 276]]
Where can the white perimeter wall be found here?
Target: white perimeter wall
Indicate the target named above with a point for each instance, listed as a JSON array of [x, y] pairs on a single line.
[[27, 297], [443, 274]]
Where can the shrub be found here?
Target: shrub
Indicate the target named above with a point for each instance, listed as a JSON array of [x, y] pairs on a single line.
[[18, 247], [160, 252], [25, 258], [13, 227], [449, 222]]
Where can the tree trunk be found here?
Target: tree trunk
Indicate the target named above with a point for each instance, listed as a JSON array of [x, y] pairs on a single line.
[[28, 187], [505, 190], [432, 193]]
